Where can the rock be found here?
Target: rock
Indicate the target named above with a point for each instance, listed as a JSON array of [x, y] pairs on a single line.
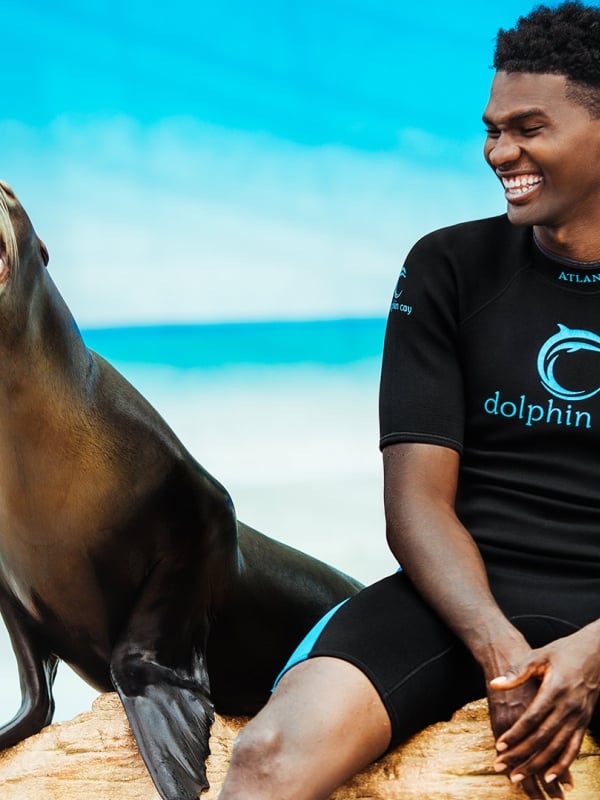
[[94, 757], [453, 761]]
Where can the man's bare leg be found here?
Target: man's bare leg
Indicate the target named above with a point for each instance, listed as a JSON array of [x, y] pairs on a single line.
[[324, 723]]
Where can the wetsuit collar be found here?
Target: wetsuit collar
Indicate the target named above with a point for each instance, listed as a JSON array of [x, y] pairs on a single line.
[[566, 272]]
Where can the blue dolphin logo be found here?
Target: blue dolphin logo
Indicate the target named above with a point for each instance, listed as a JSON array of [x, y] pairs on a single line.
[[397, 293], [567, 340]]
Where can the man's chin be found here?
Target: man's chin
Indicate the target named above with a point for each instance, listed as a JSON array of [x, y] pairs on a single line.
[[520, 215]]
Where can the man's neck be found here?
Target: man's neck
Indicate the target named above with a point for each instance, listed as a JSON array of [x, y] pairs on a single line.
[[578, 245]]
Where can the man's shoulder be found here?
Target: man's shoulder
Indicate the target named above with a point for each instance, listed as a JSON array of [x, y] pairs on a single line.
[[494, 244], [471, 260], [481, 233]]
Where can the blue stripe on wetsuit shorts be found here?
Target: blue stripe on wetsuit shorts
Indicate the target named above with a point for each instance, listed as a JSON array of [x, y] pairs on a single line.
[[302, 652]]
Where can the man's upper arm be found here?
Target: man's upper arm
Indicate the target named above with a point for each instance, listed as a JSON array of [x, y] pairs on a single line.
[[418, 476]]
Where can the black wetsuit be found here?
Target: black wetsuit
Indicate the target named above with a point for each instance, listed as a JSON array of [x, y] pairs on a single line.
[[492, 349]]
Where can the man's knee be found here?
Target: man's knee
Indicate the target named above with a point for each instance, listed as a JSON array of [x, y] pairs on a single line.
[[257, 749]]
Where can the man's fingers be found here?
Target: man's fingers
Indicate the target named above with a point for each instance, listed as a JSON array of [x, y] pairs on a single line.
[[551, 773], [537, 789], [532, 721], [519, 675], [531, 788], [561, 767]]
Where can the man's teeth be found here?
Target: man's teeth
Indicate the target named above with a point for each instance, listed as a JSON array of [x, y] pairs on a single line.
[[521, 184]]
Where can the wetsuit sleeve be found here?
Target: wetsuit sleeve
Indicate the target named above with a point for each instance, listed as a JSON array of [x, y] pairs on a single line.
[[421, 392]]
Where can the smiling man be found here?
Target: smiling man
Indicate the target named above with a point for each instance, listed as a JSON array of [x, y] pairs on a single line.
[[540, 143], [490, 431]]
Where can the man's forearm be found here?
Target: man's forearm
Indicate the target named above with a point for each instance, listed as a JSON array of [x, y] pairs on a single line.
[[440, 556], [444, 564]]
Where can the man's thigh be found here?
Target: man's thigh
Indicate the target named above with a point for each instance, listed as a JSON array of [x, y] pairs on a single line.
[[421, 671]]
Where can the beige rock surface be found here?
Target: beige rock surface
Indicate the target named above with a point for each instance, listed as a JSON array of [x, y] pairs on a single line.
[[94, 757]]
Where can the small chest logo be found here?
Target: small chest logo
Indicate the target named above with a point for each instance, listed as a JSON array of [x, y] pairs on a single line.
[[396, 306]]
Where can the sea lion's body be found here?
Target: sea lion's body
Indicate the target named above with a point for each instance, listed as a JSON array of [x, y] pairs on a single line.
[[119, 554]]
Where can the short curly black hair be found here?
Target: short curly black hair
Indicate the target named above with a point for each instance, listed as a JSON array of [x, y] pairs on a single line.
[[563, 41]]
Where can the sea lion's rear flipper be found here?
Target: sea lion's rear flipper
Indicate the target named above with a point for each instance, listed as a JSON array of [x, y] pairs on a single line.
[[159, 670], [37, 668]]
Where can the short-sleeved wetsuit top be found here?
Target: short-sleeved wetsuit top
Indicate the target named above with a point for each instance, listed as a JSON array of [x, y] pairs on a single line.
[[493, 349]]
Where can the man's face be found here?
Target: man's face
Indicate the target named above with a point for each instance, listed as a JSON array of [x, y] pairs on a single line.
[[545, 148]]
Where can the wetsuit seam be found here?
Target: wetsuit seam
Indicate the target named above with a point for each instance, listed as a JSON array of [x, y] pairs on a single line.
[[547, 617], [398, 437], [420, 667], [471, 315]]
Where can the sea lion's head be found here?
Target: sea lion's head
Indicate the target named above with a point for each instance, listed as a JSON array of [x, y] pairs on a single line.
[[19, 244]]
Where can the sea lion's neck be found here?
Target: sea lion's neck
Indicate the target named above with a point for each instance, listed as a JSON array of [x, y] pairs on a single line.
[[42, 338], [59, 340], [45, 391]]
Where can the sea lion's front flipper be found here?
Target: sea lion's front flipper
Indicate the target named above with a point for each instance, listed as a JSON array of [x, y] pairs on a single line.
[[159, 671], [37, 669], [170, 717]]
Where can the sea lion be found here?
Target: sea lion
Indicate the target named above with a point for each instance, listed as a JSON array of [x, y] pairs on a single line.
[[119, 553]]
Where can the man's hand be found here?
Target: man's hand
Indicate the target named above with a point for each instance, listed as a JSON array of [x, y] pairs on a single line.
[[506, 709], [559, 685]]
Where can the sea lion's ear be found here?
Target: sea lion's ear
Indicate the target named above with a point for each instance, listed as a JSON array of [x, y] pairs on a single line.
[[44, 252]]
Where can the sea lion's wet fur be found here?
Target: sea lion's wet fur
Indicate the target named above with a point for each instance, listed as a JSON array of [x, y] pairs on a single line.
[[120, 554]]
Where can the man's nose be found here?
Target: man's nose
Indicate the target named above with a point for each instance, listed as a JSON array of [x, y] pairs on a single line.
[[503, 150]]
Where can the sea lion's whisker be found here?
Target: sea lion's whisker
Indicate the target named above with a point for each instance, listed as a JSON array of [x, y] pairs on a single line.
[[9, 253]]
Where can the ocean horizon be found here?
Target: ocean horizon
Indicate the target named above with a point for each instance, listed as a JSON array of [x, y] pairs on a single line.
[[209, 345]]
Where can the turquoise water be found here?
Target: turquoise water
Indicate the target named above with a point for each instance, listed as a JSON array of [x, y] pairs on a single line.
[[328, 342]]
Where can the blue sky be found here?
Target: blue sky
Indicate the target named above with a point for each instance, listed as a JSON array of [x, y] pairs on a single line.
[[214, 161]]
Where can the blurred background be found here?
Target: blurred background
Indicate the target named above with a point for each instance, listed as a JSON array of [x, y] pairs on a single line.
[[228, 191]]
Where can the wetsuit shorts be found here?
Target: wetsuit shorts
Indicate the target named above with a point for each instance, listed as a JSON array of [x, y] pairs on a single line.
[[421, 670]]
